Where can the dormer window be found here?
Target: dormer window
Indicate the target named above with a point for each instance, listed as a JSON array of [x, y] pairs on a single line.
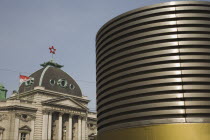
[[52, 82], [71, 86], [62, 82]]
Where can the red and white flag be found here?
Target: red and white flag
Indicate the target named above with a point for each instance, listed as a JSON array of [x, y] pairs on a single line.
[[24, 78]]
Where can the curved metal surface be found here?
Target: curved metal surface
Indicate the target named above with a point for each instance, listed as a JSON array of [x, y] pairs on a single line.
[[178, 131], [153, 66]]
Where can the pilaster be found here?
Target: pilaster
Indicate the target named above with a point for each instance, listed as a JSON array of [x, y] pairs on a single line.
[[83, 128], [17, 121], [70, 127], [79, 128], [32, 130], [49, 125], [60, 126], [44, 125]]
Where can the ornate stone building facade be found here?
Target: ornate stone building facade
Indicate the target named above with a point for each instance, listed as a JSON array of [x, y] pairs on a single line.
[[50, 106]]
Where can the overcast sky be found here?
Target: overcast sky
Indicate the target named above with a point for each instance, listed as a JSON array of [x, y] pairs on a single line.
[[29, 27]]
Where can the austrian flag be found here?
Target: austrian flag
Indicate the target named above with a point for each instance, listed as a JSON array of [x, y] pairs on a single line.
[[24, 78]]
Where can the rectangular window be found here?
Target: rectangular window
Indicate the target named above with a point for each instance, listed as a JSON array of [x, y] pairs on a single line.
[[23, 136]]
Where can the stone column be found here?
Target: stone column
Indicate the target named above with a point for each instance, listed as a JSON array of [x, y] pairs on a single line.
[[44, 126], [19, 137], [69, 133], [16, 128], [79, 128], [83, 128], [32, 129], [1, 135], [49, 125], [28, 136], [60, 126]]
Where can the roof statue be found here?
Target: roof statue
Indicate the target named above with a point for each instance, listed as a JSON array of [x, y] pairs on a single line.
[[3, 92]]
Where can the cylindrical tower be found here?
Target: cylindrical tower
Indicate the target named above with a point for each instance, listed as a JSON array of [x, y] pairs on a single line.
[[153, 73]]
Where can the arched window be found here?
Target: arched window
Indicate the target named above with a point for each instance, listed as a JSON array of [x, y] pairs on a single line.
[[52, 82], [23, 136], [71, 86], [62, 82], [24, 133]]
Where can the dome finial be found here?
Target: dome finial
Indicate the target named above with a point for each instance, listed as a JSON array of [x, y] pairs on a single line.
[[52, 50], [51, 63]]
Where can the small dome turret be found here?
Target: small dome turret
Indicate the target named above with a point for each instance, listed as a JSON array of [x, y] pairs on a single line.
[[3, 92]]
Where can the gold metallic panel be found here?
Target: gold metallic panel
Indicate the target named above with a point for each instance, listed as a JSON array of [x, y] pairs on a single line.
[[186, 131]]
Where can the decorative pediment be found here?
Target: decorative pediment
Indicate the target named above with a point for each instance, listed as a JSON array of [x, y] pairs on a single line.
[[25, 117], [3, 117], [65, 101], [25, 128], [28, 97]]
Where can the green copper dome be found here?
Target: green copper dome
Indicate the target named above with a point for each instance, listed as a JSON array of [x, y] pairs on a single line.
[[51, 77]]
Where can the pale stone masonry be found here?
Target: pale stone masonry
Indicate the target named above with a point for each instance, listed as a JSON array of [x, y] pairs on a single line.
[[54, 110], [38, 118]]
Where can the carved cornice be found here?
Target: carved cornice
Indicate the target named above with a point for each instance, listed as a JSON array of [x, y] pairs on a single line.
[[71, 114], [45, 112], [16, 107], [91, 126], [25, 117], [49, 92], [3, 117], [48, 111], [84, 117], [67, 107], [61, 113]]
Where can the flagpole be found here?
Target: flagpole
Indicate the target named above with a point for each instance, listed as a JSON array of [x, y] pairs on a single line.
[[19, 87]]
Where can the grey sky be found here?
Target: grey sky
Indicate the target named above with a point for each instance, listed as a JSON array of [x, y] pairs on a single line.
[[29, 27]]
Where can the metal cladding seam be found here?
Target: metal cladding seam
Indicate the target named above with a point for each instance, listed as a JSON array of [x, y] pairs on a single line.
[[153, 66]]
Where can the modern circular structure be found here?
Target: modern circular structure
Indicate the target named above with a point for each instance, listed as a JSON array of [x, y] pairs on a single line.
[[153, 73]]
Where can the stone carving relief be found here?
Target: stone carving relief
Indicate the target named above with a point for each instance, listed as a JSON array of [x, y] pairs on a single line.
[[25, 117], [3, 117]]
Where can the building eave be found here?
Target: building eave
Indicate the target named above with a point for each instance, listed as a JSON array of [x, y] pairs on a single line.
[[16, 107], [64, 106], [49, 92]]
